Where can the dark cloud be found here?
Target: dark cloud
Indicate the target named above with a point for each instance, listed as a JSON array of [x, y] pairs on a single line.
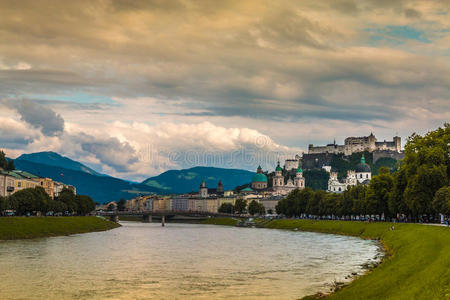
[[412, 13], [110, 151], [38, 116], [10, 139]]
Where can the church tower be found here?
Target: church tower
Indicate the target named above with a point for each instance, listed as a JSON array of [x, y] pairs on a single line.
[[278, 179], [203, 190], [220, 187], [299, 180]]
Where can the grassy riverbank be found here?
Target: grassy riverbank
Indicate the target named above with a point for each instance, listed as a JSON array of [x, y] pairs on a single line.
[[418, 266], [221, 221], [12, 228]]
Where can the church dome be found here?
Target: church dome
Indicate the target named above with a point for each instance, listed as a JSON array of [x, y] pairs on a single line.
[[278, 168], [259, 177], [362, 167]]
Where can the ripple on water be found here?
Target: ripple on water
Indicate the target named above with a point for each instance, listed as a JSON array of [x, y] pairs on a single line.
[[180, 261]]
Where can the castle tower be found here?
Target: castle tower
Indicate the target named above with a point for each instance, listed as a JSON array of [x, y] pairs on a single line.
[[203, 190], [220, 187], [299, 180], [278, 179], [398, 143]]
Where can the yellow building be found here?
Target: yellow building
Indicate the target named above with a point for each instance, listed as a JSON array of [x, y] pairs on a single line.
[[222, 200], [13, 181], [48, 185], [203, 204]]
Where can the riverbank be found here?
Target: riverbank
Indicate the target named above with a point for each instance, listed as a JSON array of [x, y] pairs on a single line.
[[12, 228], [417, 266], [221, 221]]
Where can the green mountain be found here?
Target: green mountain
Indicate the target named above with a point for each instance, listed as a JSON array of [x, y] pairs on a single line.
[[101, 188], [188, 180], [56, 160]]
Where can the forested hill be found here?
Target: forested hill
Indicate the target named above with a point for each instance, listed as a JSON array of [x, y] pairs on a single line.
[[188, 180], [57, 160], [100, 188]]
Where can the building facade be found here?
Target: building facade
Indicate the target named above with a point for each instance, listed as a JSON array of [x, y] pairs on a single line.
[[361, 175], [279, 186]]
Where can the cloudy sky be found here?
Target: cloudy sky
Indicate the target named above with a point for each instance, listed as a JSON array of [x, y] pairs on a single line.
[[133, 88]]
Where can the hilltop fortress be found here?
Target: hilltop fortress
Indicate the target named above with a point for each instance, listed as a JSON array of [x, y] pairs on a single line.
[[358, 144]]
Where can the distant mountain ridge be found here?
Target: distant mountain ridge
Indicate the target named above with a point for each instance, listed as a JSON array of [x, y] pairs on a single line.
[[188, 180], [57, 160], [101, 188]]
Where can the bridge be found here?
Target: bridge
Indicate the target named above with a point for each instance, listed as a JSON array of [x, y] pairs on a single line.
[[163, 214]]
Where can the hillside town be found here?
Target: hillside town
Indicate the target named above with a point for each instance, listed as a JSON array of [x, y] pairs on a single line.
[[261, 190], [208, 199]]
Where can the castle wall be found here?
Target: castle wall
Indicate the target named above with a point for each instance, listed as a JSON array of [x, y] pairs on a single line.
[[387, 153]]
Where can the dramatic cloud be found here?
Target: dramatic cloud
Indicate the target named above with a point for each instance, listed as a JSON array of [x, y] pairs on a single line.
[[38, 116], [110, 151], [104, 77]]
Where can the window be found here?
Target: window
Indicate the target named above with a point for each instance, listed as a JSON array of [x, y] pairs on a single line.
[[367, 175], [19, 184]]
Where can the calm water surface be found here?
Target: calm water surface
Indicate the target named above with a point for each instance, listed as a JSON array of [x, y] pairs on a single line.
[[179, 261]]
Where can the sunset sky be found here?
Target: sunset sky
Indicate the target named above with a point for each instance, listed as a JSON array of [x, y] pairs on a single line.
[[134, 88]]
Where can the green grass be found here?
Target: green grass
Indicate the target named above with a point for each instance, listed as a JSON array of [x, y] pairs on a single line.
[[12, 228], [221, 221], [418, 266]]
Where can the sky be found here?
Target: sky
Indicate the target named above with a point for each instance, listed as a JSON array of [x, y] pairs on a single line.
[[135, 88]]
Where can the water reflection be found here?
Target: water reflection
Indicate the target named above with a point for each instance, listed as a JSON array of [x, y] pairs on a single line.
[[179, 261]]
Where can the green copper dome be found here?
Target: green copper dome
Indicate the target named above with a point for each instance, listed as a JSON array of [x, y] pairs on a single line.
[[278, 168], [363, 167], [299, 170], [259, 177]]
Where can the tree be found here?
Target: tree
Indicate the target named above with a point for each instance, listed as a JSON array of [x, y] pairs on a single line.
[[2, 203], [396, 203], [23, 201], [3, 162], [422, 187], [10, 165], [240, 205], [312, 207], [42, 199], [425, 169], [441, 201], [84, 204], [121, 205], [56, 206], [226, 208], [256, 208], [358, 194], [316, 179], [67, 196], [378, 193]]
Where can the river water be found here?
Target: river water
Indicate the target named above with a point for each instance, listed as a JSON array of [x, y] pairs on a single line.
[[179, 261]]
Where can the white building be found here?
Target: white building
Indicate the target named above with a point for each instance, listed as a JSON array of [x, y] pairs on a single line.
[[280, 188], [361, 175]]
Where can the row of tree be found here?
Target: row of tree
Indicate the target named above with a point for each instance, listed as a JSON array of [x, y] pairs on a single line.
[[419, 188], [240, 206], [34, 200]]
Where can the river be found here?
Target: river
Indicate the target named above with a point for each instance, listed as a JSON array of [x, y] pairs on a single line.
[[179, 261]]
